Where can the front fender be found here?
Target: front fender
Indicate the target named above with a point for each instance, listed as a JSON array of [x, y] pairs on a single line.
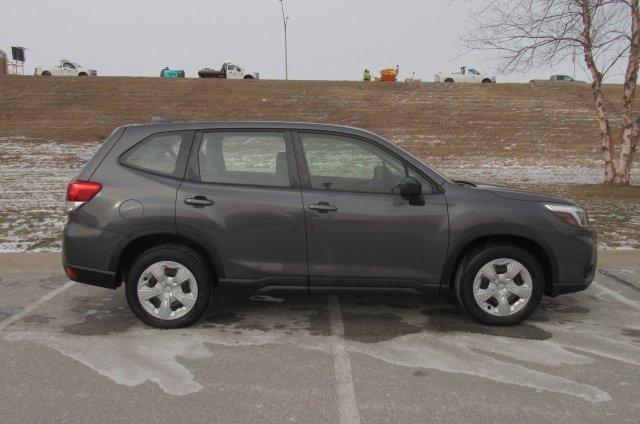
[[496, 232]]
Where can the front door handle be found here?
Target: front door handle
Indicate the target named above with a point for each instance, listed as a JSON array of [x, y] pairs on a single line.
[[198, 201], [323, 207]]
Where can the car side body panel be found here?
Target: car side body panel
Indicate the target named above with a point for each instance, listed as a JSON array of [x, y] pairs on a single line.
[[376, 240]]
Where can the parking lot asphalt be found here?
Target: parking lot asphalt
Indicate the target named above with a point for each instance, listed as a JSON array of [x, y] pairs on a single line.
[[74, 354]]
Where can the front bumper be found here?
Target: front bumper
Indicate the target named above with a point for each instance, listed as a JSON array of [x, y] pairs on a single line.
[[577, 260]]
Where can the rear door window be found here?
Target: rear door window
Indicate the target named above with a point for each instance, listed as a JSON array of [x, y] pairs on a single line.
[[246, 158]]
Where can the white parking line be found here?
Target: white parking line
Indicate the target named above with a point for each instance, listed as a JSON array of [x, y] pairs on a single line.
[[346, 393], [13, 318], [620, 298]]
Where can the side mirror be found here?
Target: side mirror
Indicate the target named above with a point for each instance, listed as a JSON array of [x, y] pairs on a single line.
[[410, 187]]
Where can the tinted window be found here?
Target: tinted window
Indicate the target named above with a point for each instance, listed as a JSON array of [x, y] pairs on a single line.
[[158, 153], [250, 158], [342, 163], [427, 187]]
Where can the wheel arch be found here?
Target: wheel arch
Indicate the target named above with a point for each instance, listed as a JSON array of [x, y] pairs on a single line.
[[487, 80], [537, 248], [128, 253], [449, 79]]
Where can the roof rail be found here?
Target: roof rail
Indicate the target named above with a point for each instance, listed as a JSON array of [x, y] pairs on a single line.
[[160, 120]]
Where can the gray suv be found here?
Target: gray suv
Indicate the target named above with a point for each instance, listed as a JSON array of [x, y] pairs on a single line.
[[178, 210]]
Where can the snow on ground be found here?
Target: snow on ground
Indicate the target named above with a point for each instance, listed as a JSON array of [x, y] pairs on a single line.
[[33, 181], [34, 176]]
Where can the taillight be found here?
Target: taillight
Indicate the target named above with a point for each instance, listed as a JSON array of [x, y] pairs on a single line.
[[80, 192], [71, 273]]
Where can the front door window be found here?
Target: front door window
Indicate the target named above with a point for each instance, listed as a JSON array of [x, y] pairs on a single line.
[[347, 164]]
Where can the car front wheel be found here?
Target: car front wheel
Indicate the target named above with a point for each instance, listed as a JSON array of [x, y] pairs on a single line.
[[169, 287], [499, 284]]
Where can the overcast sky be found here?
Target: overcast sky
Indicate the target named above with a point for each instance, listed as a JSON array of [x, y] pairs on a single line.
[[328, 39]]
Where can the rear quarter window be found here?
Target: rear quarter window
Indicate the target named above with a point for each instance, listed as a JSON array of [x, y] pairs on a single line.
[[160, 153]]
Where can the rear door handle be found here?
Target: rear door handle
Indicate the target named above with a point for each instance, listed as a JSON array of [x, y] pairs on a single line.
[[323, 207], [198, 201]]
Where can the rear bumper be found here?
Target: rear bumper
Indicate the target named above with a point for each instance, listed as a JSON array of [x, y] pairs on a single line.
[[90, 276], [86, 253]]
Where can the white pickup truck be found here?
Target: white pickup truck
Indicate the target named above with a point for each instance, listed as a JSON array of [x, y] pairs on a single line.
[[465, 75], [66, 68], [228, 71]]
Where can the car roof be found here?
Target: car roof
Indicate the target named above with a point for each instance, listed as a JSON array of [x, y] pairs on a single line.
[[286, 125]]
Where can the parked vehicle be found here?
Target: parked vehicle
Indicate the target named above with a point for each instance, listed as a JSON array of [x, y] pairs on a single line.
[[465, 75], [228, 71], [171, 73], [562, 79], [389, 74], [178, 210], [66, 68]]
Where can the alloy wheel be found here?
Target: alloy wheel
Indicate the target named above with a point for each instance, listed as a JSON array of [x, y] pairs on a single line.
[[502, 287], [167, 290]]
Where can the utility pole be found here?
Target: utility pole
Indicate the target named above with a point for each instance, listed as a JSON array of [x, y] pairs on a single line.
[[286, 59]]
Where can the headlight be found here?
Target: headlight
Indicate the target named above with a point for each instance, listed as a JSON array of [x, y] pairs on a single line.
[[571, 214]]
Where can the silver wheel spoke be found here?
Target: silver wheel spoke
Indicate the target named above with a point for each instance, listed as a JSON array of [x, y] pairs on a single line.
[[503, 305], [523, 291], [164, 311], [489, 272], [181, 276], [157, 270], [146, 292], [482, 295], [187, 299], [513, 269]]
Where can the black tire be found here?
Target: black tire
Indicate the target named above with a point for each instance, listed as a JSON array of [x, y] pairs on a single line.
[[486, 81], [46, 73], [450, 80], [184, 256], [471, 264], [82, 74], [248, 77]]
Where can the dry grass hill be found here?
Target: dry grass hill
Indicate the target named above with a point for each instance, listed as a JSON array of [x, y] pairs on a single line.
[[538, 136]]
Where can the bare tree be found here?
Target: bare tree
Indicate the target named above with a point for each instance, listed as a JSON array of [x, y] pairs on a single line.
[[527, 34]]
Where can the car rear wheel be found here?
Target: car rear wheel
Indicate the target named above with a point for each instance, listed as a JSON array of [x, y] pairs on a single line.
[[449, 80], [169, 287], [82, 74], [46, 73], [499, 284]]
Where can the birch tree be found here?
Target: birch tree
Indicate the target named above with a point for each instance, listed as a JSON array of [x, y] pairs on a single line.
[[527, 34]]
